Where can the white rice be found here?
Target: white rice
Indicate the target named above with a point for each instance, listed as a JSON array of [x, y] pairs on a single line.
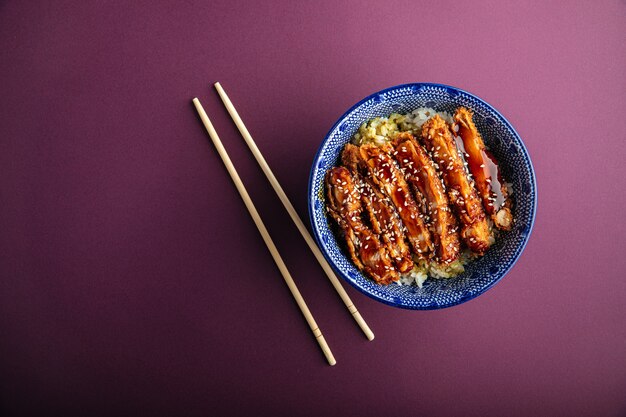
[[382, 129], [415, 276], [430, 269]]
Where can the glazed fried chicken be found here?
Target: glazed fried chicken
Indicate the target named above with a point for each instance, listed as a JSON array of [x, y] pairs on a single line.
[[387, 176], [438, 140], [381, 213], [417, 196], [420, 172], [484, 168], [364, 246]]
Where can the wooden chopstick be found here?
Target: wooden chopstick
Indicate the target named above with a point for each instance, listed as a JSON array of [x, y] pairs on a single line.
[[292, 212], [266, 237]]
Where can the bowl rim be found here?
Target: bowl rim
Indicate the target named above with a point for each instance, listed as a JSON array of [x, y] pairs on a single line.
[[417, 86]]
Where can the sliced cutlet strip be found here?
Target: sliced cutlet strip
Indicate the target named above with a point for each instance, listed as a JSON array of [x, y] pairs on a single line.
[[386, 223], [420, 172], [484, 168], [366, 250], [387, 177], [382, 215], [438, 140]]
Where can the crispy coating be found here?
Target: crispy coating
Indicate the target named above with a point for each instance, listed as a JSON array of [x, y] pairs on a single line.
[[420, 172], [382, 215], [484, 168], [438, 140], [364, 246], [389, 178]]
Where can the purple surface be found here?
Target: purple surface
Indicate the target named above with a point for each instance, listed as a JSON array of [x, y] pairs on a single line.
[[133, 281]]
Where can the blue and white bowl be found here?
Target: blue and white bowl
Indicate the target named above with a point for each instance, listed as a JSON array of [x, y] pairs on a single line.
[[504, 142]]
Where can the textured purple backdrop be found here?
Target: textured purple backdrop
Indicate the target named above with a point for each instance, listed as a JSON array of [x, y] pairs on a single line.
[[133, 282]]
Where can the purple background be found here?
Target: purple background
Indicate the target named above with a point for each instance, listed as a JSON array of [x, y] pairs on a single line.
[[134, 282]]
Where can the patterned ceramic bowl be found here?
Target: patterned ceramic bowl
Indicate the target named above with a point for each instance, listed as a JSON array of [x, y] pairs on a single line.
[[504, 142]]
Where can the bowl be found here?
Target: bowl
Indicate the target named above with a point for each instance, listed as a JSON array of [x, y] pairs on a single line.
[[503, 141]]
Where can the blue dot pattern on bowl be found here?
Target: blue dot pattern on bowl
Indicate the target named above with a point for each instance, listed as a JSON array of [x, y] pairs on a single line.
[[504, 143]]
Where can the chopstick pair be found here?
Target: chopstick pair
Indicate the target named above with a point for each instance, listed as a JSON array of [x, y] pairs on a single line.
[[292, 213]]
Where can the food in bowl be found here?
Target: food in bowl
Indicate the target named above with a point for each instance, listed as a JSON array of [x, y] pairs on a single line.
[[417, 195]]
